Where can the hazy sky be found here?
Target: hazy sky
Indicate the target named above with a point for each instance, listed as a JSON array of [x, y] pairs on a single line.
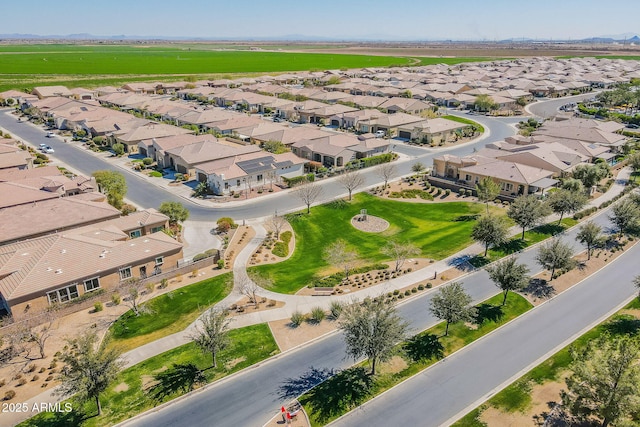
[[394, 19]]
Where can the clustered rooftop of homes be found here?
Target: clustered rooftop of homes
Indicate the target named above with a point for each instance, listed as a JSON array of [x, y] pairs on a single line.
[[49, 221]]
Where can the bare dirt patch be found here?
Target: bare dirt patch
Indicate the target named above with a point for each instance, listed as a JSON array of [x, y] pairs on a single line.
[[288, 337], [121, 387], [240, 238], [369, 223], [394, 365], [542, 291], [231, 363]]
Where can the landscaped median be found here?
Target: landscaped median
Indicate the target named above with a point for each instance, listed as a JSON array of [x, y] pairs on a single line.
[[532, 397], [354, 386], [163, 378], [168, 313]]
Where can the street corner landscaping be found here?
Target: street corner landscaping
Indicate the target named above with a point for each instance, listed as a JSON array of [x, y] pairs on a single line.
[[536, 398], [436, 231], [167, 314], [343, 391], [163, 378]]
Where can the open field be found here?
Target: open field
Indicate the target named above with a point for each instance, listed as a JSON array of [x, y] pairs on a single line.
[[438, 230]]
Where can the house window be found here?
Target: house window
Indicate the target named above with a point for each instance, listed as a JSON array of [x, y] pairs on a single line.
[[507, 186], [91, 284], [259, 178], [159, 260], [467, 177], [135, 233], [156, 229], [125, 273], [237, 183], [63, 295], [226, 185]]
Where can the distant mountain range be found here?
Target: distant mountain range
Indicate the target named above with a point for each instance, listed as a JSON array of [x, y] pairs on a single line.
[[619, 38]]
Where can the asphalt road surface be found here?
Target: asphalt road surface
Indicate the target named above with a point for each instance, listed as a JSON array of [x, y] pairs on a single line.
[[147, 195], [254, 396]]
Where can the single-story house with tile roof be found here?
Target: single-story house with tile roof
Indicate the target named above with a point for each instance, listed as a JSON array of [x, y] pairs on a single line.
[[150, 130], [44, 217], [339, 149], [289, 135], [431, 130], [404, 105], [324, 113], [13, 157], [156, 148], [55, 269], [387, 122], [51, 91], [249, 172], [184, 159], [514, 178]]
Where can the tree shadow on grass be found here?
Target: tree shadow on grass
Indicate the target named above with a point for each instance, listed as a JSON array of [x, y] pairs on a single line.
[[551, 229], [424, 347], [624, 326], [465, 218], [294, 387], [540, 288], [346, 390], [489, 312], [512, 246], [179, 378], [61, 419]]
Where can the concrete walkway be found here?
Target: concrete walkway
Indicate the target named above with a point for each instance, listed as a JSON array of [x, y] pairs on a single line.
[[304, 304]]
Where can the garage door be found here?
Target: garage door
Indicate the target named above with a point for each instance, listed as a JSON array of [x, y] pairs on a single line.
[[335, 123], [404, 134]]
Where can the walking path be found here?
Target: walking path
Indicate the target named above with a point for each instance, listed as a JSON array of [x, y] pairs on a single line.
[[304, 304]]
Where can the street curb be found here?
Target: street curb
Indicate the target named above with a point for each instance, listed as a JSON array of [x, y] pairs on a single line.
[[519, 374]]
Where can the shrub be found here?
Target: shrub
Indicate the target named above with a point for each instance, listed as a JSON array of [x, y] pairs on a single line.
[[42, 370], [22, 382], [9, 395], [429, 285], [156, 174], [97, 306], [336, 308], [53, 364], [297, 318], [17, 376], [317, 314], [35, 378], [150, 287], [116, 299], [271, 303], [421, 287], [407, 293], [220, 264], [461, 191], [228, 220], [49, 378], [163, 283], [147, 161], [280, 249], [32, 368], [178, 177], [447, 192]]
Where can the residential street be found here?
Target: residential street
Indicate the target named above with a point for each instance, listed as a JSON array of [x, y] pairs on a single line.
[[222, 403], [145, 194]]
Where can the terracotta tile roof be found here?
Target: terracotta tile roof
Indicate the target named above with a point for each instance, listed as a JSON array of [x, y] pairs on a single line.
[[34, 266]]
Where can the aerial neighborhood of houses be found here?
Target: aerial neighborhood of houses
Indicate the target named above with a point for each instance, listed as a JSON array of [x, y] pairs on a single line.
[[213, 131]]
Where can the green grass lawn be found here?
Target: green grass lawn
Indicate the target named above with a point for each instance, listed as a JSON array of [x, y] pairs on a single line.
[[169, 313], [531, 237], [248, 346], [438, 230], [467, 121], [517, 396], [345, 391]]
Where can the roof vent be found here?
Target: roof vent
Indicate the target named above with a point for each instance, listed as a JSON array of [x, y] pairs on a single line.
[[64, 251], [101, 255], [49, 268], [58, 271], [132, 244]]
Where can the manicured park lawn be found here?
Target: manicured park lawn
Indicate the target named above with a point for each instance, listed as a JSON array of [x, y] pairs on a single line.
[[438, 229], [517, 396], [248, 346], [168, 313], [467, 121], [348, 389]]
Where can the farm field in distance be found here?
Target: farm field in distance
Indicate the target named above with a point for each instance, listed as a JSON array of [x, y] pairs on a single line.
[[23, 66]]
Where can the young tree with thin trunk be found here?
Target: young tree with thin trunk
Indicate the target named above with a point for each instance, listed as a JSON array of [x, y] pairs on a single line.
[[452, 304], [89, 368], [338, 253], [625, 215], [351, 181], [386, 171], [590, 235], [276, 224], [400, 251], [212, 333], [605, 380], [566, 201], [113, 185], [527, 211], [308, 192], [40, 329], [372, 329], [508, 275], [487, 190], [490, 230], [554, 255], [132, 292]]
